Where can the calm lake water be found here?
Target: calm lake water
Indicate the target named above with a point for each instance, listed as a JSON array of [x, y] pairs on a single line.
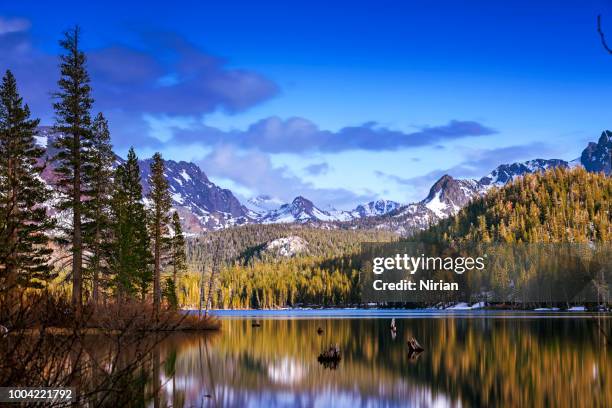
[[470, 359]]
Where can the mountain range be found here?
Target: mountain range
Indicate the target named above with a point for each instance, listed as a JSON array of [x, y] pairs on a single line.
[[204, 206]]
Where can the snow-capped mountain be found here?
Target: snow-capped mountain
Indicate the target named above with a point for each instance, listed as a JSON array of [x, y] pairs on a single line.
[[201, 204], [378, 207], [263, 204], [508, 172], [448, 195], [300, 210], [205, 206]]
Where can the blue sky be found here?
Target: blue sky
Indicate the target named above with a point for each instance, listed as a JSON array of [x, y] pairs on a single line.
[[341, 102]]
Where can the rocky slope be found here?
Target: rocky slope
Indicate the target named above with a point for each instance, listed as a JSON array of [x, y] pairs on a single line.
[[597, 157], [201, 204]]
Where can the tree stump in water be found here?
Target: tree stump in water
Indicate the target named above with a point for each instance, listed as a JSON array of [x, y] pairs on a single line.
[[414, 349], [330, 357]]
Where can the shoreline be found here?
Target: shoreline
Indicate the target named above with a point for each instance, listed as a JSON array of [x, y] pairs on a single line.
[[348, 313]]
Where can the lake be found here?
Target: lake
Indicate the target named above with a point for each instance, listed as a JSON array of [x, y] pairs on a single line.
[[474, 358]]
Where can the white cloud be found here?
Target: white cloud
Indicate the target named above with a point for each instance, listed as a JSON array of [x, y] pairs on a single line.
[[255, 171]]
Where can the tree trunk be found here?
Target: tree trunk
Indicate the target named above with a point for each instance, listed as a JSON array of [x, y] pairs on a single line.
[[77, 239], [96, 267], [97, 249], [156, 285], [11, 261], [201, 292]]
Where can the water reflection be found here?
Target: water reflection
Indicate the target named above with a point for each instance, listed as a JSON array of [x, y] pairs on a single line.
[[466, 362]]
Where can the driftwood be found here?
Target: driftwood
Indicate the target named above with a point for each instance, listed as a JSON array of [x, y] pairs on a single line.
[[330, 358], [414, 349], [413, 345]]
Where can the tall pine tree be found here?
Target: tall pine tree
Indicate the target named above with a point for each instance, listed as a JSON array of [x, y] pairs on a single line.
[[73, 122], [131, 248], [24, 253], [159, 197], [97, 229], [179, 258]]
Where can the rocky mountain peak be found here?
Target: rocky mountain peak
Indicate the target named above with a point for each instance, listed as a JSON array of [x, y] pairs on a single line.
[[301, 204], [377, 207], [598, 156], [505, 173], [448, 195]]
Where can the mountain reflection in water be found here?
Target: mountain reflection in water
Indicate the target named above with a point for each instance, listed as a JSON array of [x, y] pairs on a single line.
[[480, 361]]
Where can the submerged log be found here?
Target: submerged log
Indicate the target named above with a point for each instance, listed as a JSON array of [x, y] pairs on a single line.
[[414, 349], [414, 346]]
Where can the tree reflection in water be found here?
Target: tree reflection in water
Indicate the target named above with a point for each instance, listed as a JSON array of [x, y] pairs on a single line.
[[478, 361]]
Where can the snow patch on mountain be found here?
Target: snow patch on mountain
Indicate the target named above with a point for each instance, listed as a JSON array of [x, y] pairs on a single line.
[[436, 205], [373, 208], [262, 204]]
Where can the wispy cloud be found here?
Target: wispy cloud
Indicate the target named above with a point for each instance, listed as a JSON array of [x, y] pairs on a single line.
[[317, 169], [299, 135], [13, 25], [167, 76], [173, 77], [255, 171]]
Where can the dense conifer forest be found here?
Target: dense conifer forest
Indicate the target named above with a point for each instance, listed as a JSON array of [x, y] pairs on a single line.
[[558, 206]]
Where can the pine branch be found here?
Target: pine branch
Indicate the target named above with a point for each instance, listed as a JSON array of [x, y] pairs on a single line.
[[602, 35]]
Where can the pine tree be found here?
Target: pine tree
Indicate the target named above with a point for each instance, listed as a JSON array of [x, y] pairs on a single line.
[[160, 205], [179, 257], [73, 122], [24, 253], [131, 251], [97, 231], [170, 293]]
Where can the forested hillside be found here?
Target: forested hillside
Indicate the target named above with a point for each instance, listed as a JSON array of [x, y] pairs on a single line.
[[560, 205], [268, 266], [246, 244]]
